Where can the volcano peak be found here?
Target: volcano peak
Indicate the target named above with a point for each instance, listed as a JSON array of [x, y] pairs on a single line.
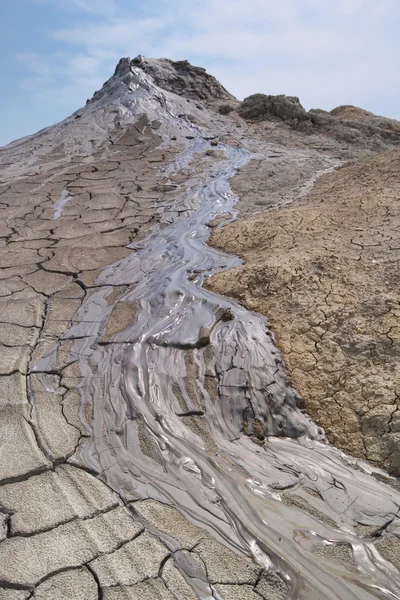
[[179, 77]]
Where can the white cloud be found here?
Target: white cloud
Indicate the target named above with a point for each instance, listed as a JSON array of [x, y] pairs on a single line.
[[115, 33], [35, 63], [100, 7], [89, 65], [331, 52], [104, 8]]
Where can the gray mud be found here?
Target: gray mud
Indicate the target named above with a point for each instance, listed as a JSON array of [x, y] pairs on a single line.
[[61, 204], [191, 407]]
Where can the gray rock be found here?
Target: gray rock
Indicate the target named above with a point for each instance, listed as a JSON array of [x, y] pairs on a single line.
[[182, 78], [65, 547], [77, 584], [55, 497], [370, 130], [137, 560], [260, 107], [225, 109]]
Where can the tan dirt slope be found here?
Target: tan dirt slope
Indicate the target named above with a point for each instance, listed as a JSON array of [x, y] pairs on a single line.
[[325, 272]]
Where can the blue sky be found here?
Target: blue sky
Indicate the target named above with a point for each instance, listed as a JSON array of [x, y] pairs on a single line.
[[55, 53]]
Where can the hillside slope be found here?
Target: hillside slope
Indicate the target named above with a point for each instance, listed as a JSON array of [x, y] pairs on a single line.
[[151, 445], [325, 272]]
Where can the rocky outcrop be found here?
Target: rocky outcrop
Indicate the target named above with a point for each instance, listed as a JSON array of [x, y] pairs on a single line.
[[353, 113], [180, 77], [260, 107], [348, 112], [346, 124]]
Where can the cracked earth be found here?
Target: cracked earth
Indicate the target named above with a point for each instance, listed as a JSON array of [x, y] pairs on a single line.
[[74, 535], [324, 271], [151, 445]]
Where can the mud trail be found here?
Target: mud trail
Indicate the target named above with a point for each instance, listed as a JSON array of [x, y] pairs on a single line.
[[159, 425], [181, 397]]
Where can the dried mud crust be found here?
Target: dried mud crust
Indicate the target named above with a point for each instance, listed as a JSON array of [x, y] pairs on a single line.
[[63, 531], [325, 273], [73, 535]]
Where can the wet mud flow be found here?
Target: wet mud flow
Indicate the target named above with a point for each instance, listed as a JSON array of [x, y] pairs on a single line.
[[191, 407]]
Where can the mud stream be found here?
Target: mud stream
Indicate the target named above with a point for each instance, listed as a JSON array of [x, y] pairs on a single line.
[[183, 398]]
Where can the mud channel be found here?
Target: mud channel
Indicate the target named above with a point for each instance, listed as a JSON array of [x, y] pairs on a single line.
[[190, 406]]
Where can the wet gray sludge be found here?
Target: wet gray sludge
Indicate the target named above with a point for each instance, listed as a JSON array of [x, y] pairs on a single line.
[[191, 407]]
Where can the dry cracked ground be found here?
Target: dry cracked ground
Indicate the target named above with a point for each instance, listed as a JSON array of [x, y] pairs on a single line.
[[323, 269], [64, 533]]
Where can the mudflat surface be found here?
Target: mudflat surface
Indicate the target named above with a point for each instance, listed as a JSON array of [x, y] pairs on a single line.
[[64, 532], [151, 444], [325, 273]]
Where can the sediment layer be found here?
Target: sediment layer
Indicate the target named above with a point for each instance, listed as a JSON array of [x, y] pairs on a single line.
[[152, 446], [324, 271]]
